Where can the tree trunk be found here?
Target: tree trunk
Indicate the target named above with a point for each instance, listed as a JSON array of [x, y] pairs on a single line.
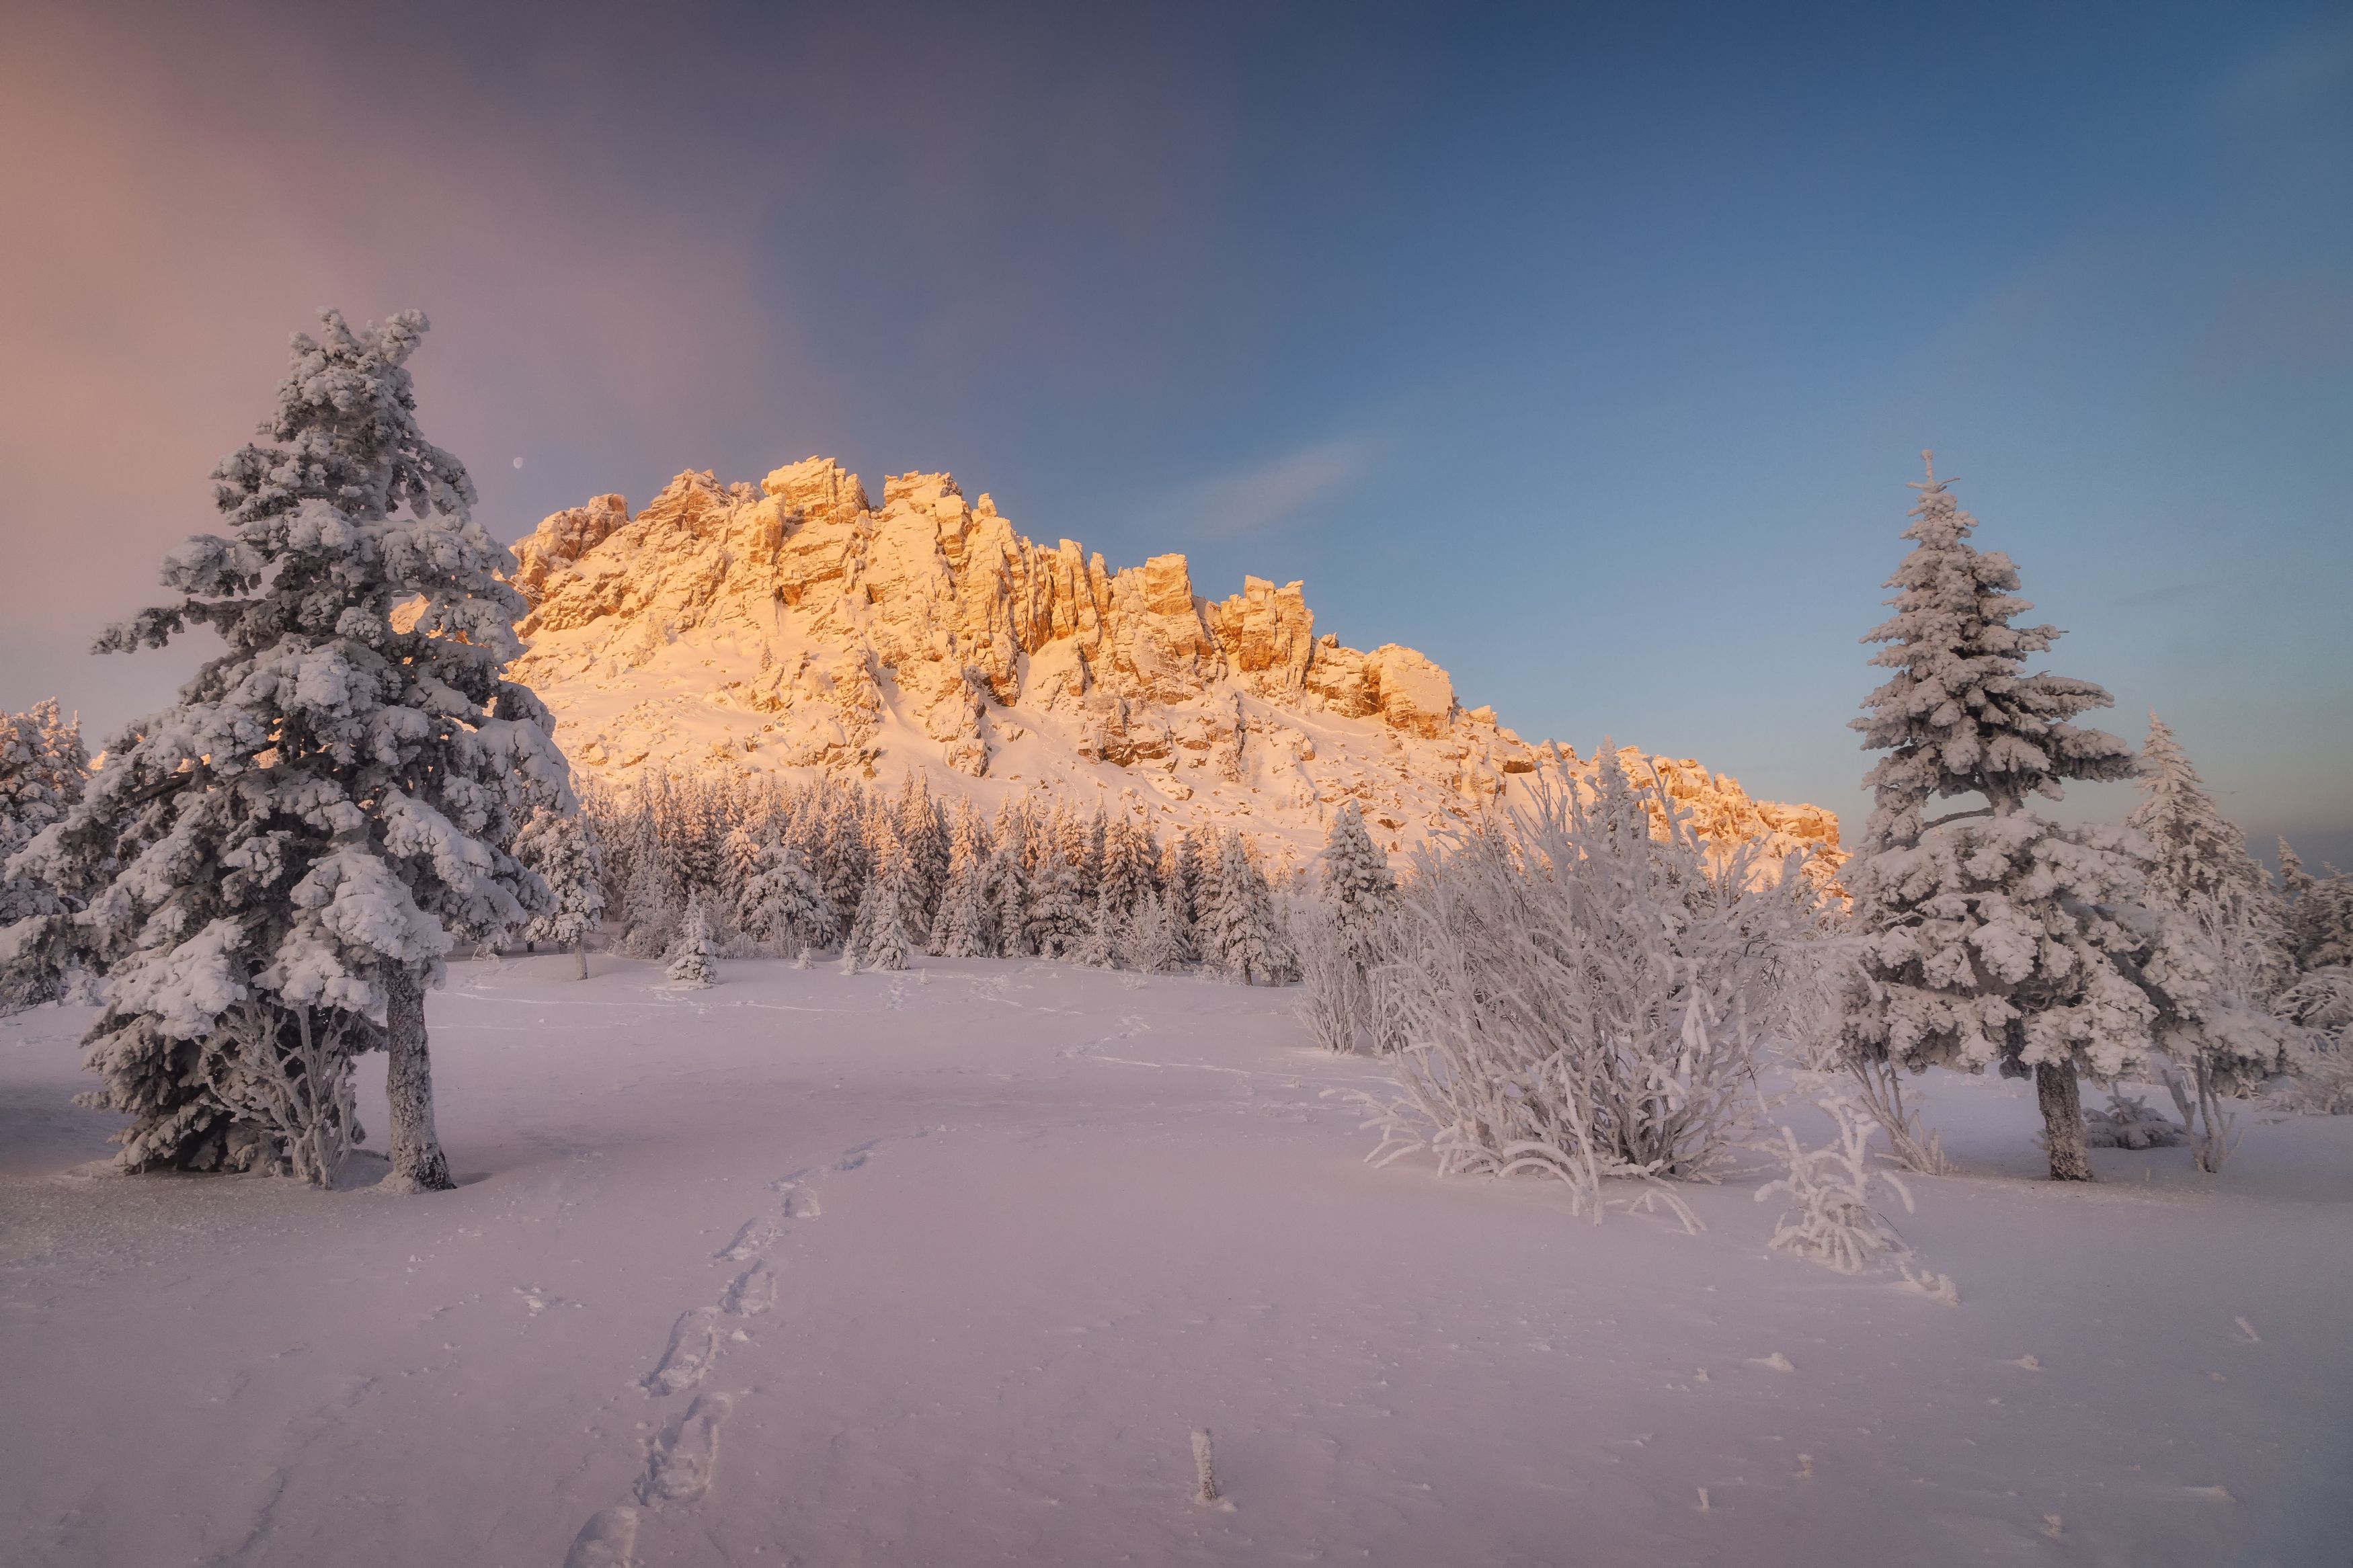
[[417, 1163], [2063, 1119], [580, 950]]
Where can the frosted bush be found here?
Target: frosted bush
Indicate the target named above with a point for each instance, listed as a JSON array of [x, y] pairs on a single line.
[[1148, 939], [1832, 1217], [2129, 1122], [1586, 991], [2322, 1059], [1820, 989], [1336, 998]]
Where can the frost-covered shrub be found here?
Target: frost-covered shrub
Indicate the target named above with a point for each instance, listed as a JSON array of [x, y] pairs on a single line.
[[2322, 1058], [1340, 939], [1581, 997], [1832, 1217], [1147, 942], [1336, 992], [1821, 984], [2129, 1122]]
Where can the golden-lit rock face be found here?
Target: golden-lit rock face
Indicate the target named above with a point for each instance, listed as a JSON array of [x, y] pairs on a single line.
[[797, 625]]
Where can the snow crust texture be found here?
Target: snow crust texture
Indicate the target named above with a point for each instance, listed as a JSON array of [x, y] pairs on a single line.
[[795, 624]]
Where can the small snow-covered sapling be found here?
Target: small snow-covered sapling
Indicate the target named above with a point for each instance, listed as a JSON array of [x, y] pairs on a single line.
[[1204, 1470]]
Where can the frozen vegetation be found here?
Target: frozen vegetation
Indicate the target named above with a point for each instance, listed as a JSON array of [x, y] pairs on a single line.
[[1101, 1130]]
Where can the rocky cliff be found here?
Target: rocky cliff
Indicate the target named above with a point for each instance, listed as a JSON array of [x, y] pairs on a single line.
[[795, 624]]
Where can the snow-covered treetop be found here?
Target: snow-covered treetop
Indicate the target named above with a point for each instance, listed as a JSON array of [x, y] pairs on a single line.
[[340, 788], [1960, 716], [347, 419], [42, 765], [2202, 866]]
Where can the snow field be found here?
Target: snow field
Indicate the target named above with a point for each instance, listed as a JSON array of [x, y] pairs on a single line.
[[947, 1265]]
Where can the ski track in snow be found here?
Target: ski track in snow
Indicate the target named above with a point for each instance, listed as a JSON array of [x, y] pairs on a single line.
[[683, 1460]]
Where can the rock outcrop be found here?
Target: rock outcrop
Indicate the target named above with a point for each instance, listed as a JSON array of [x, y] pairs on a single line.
[[795, 625]]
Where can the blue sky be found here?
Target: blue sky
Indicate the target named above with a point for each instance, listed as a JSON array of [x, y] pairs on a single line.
[[1588, 350]]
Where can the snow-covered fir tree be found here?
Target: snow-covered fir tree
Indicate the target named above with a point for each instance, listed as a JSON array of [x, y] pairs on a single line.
[[739, 860], [930, 848], [783, 903], [2214, 957], [268, 872], [1180, 891], [42, 769], [1007, 892], [962, 927], [842, 832], [1356, 880], [1991, 938], [879, 937], [1098, 944], [1054, 915], [692, 843], [894, 869], [648, 915], [691, 953], [1238, 931], [2318, 914], [561, 847], [2201, 868]]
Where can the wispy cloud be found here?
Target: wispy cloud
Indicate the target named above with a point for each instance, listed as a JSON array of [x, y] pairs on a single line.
[[1266, 495]]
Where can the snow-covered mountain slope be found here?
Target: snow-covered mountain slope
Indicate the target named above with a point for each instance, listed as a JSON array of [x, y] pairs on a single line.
[[795, 625]]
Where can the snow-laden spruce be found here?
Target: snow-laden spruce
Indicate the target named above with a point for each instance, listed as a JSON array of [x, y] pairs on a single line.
[[964, 927], [2215, 955], [783, 903], [1056, 914], [1585, 989], [963, 888], [691, 967], [2319, 914], [42, 769], [1338, 938], [561, 847], [1238, 931], [269, 873], [1992, 936], [1098, 946]]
